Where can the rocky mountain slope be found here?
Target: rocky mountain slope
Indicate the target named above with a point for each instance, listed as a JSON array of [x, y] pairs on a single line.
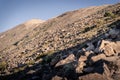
[[16, 34], [77, 45]]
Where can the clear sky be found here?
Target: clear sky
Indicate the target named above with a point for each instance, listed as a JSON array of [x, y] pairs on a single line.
[[14, 12]]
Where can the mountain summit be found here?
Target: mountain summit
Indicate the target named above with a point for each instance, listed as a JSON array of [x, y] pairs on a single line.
[[77, 45], [33, 21]]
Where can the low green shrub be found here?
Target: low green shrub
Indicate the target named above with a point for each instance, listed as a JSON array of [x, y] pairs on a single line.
[[3, 65], [109, 14]]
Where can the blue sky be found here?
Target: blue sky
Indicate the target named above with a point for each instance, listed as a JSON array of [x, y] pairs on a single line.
[[14, 12]]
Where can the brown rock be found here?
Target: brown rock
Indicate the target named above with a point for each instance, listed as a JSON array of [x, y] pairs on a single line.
[[80, 66], [31, 72], [102, 45], [57, 78], [116, 47], [98, 57], [67, 60], [82, 58], [112, 48], [108, 50], [111, 59], [87, 53], [107, 72], [94, 76]]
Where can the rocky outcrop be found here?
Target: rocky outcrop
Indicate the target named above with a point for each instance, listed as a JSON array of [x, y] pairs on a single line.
[[95, 66]]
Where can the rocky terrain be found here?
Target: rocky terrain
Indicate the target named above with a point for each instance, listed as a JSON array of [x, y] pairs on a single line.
[[77, 45]]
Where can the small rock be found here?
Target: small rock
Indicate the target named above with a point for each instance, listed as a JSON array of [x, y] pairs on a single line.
[[37, 53], [80, 66], [111, 59], [82, 58], [31, 72], [57, 78], [87, 53], [67, 60]]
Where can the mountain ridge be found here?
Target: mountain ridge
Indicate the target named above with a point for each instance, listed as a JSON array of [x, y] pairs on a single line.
[[64, 35]]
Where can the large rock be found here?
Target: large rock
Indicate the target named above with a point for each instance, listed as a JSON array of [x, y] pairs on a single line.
[[106, 75], [67, 60], [110, 48], [57, 78], [98, 57]]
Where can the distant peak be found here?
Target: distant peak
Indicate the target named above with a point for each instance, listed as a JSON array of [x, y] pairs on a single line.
[[33, 21]]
